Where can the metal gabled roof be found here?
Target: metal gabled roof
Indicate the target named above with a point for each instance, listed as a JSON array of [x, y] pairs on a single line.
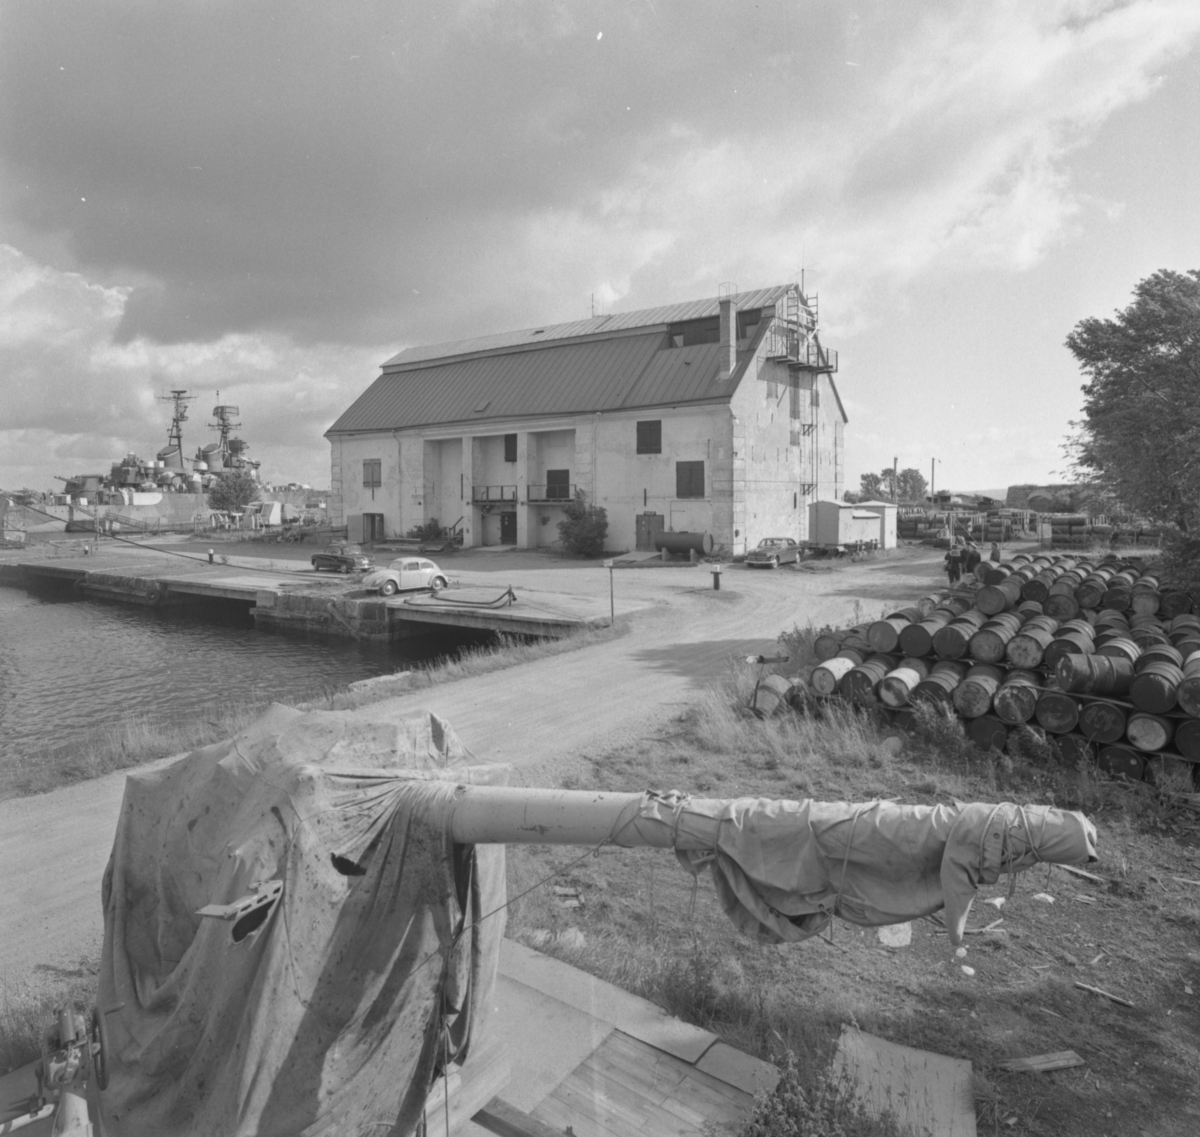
[[596, 325], [559, 379]]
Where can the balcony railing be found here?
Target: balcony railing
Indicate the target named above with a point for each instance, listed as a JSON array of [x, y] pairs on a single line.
[[798, 345], [484, 495], [560, 491]]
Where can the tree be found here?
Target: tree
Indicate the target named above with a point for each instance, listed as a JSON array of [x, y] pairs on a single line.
[[1139, 439], [870, 487], [232, 491], [912, 485], [585, 527]]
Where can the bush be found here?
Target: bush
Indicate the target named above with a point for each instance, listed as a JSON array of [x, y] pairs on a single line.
[[232, 491], [585, 527]]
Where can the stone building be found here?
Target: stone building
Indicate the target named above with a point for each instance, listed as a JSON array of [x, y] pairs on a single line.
[[717, 415]]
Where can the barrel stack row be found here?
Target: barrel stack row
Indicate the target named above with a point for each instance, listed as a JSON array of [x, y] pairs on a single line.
[[1095, 656]]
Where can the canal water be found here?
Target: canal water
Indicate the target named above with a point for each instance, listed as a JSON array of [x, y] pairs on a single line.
[[69, 667]]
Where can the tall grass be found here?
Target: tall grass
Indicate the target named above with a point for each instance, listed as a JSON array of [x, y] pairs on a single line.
[[25, 1013]]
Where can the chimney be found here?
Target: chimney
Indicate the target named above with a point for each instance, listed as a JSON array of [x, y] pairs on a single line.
[[728, 350]]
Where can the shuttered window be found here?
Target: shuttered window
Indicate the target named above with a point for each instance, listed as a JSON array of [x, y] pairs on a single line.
[[649, 436], [372, 473], [558, 485], [689, 479], [510, 447]]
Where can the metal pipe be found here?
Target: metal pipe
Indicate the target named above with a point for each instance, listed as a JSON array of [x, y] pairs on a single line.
[[505, 815]]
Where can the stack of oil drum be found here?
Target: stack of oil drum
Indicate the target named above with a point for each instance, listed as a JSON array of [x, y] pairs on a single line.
[[1093, 656]]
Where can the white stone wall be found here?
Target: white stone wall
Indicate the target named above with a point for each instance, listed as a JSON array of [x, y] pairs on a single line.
[[349, 496]]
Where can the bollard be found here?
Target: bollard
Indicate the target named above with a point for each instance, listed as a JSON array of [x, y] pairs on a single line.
[[693, 556], [210, 556], [716, 571]]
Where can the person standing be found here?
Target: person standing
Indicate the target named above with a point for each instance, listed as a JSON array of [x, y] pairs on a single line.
[[971, 558], [952, 564], [994, 555]]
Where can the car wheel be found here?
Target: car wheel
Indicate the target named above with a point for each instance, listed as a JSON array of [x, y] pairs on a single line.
[[390, 588], [438, 583], [344, 569], [774, 562]]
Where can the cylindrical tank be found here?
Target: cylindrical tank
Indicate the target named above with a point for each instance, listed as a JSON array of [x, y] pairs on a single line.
[[684, 542]]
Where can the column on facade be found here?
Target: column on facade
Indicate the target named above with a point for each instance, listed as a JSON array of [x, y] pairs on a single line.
[[526, 531], [471, 515]]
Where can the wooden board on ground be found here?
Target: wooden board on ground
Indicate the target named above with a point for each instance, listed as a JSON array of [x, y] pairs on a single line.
[[626, 1087], [1042, 1063], [926, 1093]]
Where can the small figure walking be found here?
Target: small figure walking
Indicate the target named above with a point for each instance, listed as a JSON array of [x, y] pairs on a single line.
[[953, 565], [994, 555], [971, 558]]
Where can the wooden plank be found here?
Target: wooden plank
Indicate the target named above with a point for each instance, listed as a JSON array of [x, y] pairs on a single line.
[[561, 1116], [1041, 1063], [639, 1053], [454, 1099], [1083, 873], [507, 1121], [927, 1093], [1105, 994]]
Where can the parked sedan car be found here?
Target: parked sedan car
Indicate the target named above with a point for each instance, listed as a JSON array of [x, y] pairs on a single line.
[[405, 573], [342, 558], [773, 552]]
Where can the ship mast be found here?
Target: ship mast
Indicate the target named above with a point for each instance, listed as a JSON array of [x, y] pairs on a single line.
[[179, 417], [224, 413]]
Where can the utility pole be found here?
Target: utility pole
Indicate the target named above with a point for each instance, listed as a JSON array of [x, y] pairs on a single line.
[[932, 480], [895, 479]]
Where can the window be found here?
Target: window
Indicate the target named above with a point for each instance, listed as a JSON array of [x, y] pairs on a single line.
[[372, 473], [689, 479], [649, 436], [510, 447], [558, 485], [689, 332]]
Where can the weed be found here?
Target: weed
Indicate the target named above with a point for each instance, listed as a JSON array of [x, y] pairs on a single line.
[[24, 1014]]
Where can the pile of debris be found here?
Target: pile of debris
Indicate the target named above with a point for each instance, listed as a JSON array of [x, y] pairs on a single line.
[[1088, 660]]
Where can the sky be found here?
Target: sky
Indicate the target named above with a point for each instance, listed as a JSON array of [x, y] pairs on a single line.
[[266, 200]]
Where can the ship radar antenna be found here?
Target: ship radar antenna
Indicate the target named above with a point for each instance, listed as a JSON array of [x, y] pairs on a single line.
[[180, 400]]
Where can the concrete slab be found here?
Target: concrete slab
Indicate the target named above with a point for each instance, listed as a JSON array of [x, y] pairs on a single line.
[[629, 1013], [738, 1068]]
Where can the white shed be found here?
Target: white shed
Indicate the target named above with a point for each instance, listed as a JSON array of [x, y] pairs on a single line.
[[886, 510], [841, 523]]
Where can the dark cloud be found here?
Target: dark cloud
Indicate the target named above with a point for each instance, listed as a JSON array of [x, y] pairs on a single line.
[[296, 166]]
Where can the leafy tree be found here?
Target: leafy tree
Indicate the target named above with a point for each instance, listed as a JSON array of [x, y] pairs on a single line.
[[585, 527], [870, 487], [232, 491], [1139, 439], [912, 485], [851, 497]]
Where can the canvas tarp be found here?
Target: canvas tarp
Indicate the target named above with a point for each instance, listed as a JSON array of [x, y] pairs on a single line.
[[334, 1014], [783, 869]]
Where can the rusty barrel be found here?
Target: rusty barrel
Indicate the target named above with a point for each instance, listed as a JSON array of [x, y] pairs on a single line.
[[896, 687], [1156, 688], [828, 644], [1038, 587], [1119, 647], [1072, 638], [1187, 738], [951, 641], [1156, 653], [917, 639], [1094, 674], [1148, 636], [1122, 762], [1090, 591], [1149, 732], [860, 683], [1028, 647], [1146, 602], [773, 694], [1056, 712], [994, 574], [992, 599], [973, 696], [938, 687], [1102, 721], [1016, 698], [884, 635], [857, 654], [1173, 602], [1188, 694], [987, 732], [826, 676], [987, 645]]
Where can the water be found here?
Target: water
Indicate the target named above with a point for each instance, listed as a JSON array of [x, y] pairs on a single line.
[[68, 668]]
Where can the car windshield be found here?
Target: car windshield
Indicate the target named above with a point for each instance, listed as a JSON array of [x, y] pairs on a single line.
[[397, 564], [770, 543]]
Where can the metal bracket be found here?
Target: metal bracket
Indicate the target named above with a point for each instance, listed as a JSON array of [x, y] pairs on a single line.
[[261, 894]]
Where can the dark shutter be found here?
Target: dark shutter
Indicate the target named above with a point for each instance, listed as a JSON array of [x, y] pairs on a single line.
[[372, 473], [510, 447], [649, 436], [558, 485], [689, 479]]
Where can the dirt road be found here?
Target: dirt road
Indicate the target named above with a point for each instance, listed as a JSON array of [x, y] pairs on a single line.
[[542, 717]]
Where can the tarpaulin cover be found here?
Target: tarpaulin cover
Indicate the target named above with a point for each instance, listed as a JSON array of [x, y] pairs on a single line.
[[783, 869], [334, 1014]]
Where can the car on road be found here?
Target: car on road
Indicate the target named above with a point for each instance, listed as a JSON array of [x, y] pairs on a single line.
[[404, 574], [340, 557], [773, 552]]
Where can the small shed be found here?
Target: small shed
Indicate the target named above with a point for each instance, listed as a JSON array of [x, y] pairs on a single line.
[[886, 511], [840, 523]]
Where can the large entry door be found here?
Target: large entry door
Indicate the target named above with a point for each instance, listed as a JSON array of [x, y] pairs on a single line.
[[508, 528], [649, 525], [372, 527]]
